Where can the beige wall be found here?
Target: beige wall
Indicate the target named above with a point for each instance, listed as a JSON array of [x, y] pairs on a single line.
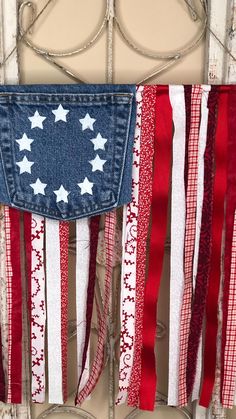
[[155, 25]]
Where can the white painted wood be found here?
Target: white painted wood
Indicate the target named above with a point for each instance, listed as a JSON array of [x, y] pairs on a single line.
[[230, 64], [215, 54], [9, 31]]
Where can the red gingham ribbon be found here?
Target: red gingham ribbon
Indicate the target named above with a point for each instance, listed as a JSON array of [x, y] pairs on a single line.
[[64, 241], [110, 225], [191, 202], [14, 302], [160, 192], [219, 192], [145, 195], [229, 379]]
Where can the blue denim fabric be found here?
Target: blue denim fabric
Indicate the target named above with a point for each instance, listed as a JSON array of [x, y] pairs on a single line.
[[59, 163]]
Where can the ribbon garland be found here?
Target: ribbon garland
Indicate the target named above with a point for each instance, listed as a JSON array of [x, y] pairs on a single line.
[[219, 192], [201, 165], [162, 164]]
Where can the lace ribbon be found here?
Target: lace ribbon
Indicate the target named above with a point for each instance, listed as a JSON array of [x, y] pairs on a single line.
[[128, 272]]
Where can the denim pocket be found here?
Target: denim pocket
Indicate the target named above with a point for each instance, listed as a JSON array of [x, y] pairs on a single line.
[[66, 152]]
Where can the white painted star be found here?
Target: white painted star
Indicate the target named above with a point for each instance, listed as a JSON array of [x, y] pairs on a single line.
[[87, 122], [37, 120], [86, 187], [25, 165], [25, 143], [62, 194], [38, 187], [60, 113], [97, 164], [99, 142]]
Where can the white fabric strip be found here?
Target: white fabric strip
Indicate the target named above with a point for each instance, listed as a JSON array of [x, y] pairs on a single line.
[[53, 280], [200, 193], [128, 274], [38, 313], [177, 100], [82, 278]]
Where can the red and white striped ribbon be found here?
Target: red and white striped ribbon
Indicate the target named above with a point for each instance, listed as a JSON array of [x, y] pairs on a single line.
[[110, 224], [3, 301], [38, 309], [57, 300], [82, 278], [128, 273], [14, 304], [229, 379], [190, 230], [9, 298]]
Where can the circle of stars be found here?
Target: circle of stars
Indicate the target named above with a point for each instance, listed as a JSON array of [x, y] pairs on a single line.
[[25, 165]]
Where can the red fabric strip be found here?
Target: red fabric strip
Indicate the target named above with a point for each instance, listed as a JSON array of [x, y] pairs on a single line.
[[199, 300], [160, 191], [16, 290], [94, 230], [64, 242], [27, 237], [229, 217], [215, 268], [145, 195]]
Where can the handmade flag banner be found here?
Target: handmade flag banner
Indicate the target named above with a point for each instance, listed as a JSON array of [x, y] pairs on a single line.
[[72, 153]]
